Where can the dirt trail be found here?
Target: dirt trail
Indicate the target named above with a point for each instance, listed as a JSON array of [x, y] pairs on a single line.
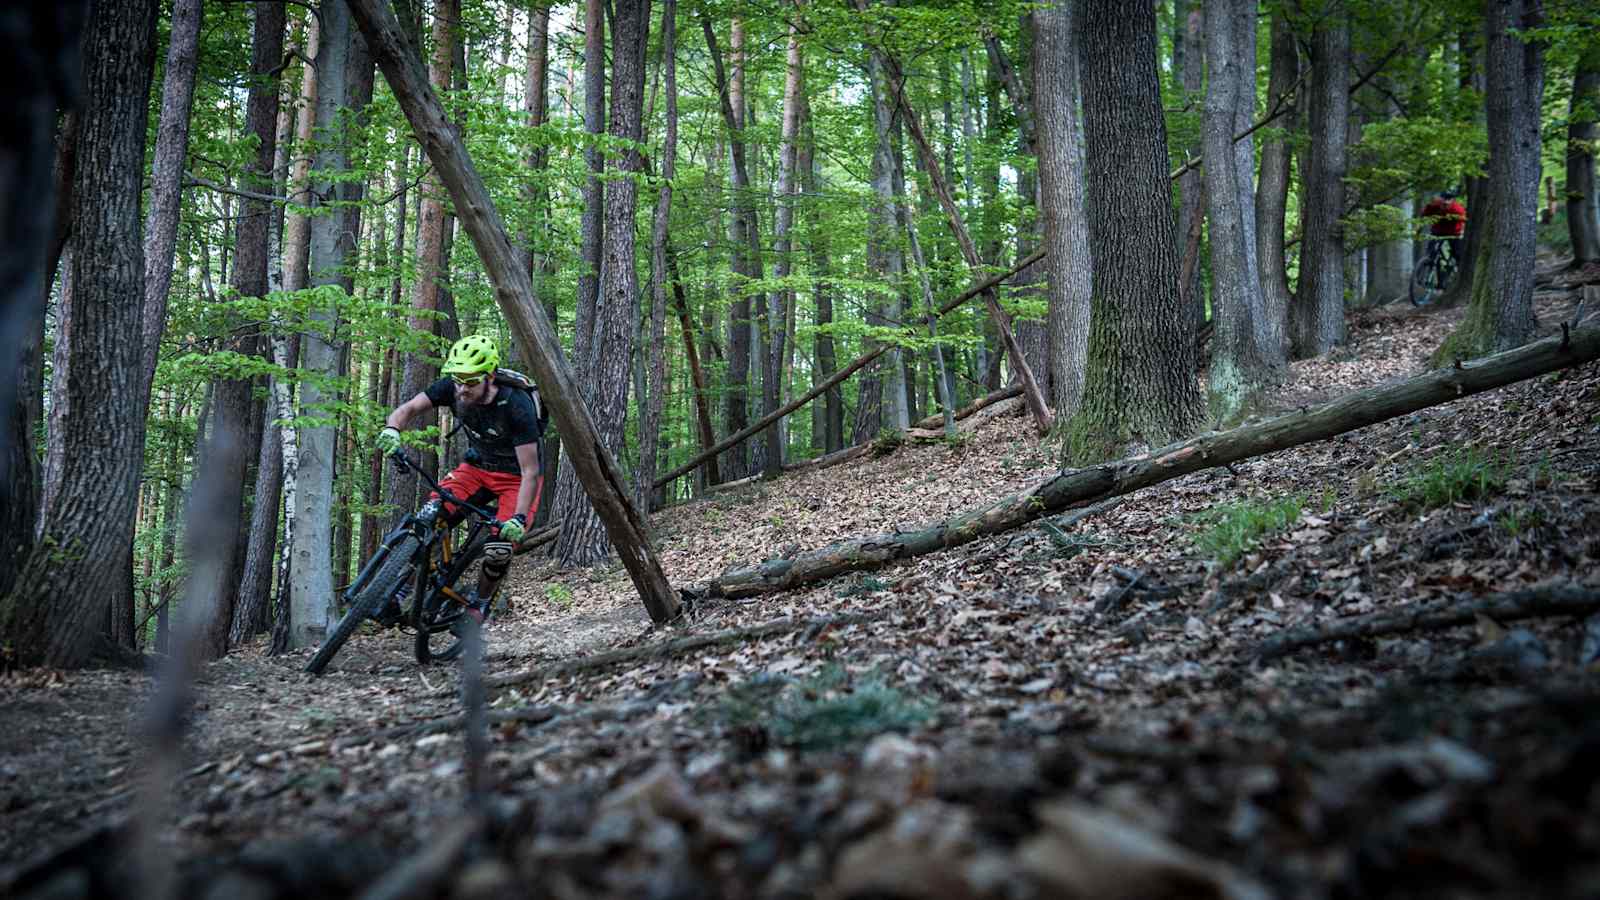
[[1028, 670]]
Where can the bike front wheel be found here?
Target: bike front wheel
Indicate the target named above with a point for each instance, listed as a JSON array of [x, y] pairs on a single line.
[[1425, 284], [396, 567], [436, 616]]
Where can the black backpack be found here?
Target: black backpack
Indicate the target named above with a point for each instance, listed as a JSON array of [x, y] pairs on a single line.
[[511, 378]]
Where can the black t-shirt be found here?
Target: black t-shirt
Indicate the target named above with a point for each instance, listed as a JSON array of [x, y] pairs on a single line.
[[494, 431]]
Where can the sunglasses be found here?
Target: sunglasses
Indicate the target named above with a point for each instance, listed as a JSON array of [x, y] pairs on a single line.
[[468, 381]]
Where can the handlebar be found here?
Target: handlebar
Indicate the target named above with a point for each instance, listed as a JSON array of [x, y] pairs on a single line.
[[402, 461]]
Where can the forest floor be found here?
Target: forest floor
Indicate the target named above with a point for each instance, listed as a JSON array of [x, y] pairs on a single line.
[[1069, 712]]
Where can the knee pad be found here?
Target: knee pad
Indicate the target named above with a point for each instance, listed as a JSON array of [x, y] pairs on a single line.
[[496, 557]]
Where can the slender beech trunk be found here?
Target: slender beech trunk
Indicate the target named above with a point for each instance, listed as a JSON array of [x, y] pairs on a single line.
[[782, 299], [702, 396], [1272, 189], [1188, 42], [1063, 205], [310, 563], [831, 435]]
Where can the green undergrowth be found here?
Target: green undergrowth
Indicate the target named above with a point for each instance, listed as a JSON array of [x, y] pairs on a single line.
[[1230, 530], [1463, 475], [829, 709]]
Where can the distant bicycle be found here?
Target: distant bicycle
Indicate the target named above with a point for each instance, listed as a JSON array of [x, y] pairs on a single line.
[[1434, 274], [421, 558]]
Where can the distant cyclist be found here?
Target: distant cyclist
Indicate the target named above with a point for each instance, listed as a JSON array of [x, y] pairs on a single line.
[[500, 413], [1449, 220]]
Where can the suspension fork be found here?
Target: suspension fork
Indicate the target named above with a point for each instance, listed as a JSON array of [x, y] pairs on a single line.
[[390, 541]]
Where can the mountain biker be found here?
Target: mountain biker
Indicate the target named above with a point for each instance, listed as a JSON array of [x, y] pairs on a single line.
[[1449, 220], [502, 461]]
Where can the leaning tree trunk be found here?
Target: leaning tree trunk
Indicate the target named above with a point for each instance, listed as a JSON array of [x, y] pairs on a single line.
[[1063, 204], [1082, 487], [583, 538], [1140, 386], [53, 613], [1245, 356], [1500, 311], [310, 558], [1583, 201], [1317, 317]]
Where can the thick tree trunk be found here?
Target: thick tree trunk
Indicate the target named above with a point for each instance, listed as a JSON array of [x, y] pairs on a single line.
[[1583, 201], [1082, 487], [1140, 386], [595, 467], [1063, 204], [1317, 317], [654, 401], [310, 559], [54, 611], [1245, 354], [1272, 189], [583, 538], [1500, 311]]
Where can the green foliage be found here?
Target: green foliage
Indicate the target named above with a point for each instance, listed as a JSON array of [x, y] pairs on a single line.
[[1230, 530], [559, 594], [887, 441], [1469, 473], [824, 711]]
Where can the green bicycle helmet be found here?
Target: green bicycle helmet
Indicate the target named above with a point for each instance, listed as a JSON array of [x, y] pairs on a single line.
[[474, 354]]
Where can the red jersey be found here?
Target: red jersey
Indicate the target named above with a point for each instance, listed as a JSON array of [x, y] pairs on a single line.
[[1452, 217]]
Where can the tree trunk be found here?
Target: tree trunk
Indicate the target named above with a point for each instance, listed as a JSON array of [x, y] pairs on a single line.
[[653, 403], [1583, 201], [832, 431], [1140, 385], [1500, 311], [595, 467], [583, 538], [702, 398], [53, 612], [1391, 261], [1272, 189], [537, 106], [1317, 317], [782, 299], [1188, 50], [1080, 488], [1062, 202], [1244, 356], [310, 563]]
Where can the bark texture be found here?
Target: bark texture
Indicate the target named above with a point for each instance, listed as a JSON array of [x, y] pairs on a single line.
[[782, 299], [1063, 200], [1317, 317], [1500, 310], [1140, 386], [654, 402], [1583, 201], [583, 535], [56, 608], [1272, 188]]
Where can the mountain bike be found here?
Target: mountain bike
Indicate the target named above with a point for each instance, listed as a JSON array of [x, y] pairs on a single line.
[[423, 554], [1433, 275]]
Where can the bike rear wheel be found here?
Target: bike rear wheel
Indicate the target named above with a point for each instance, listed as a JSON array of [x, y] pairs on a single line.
[[388, 579]]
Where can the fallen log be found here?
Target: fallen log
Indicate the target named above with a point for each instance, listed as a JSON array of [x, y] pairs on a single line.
[[937, 419], [1081, 487], [972, 423], [1529, 604]]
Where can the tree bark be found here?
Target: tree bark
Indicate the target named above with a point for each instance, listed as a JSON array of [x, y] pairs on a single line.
[[653, 403], [782, 298], [1500, 311], [1583, 200], [1317, 317], [594, 466], [583, 538], [1140, 386], [310, 558], [1272, 189], [832, 431], [53, 613], [1188, 43], [1063, 204], [1082, 487], [702, 397], [1244, 357]]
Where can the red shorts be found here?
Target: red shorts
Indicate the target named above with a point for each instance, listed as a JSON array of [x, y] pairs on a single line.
[[478, 486]]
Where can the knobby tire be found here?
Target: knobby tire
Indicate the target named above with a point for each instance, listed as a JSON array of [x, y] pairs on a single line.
[[382, 586], [435, 614]]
